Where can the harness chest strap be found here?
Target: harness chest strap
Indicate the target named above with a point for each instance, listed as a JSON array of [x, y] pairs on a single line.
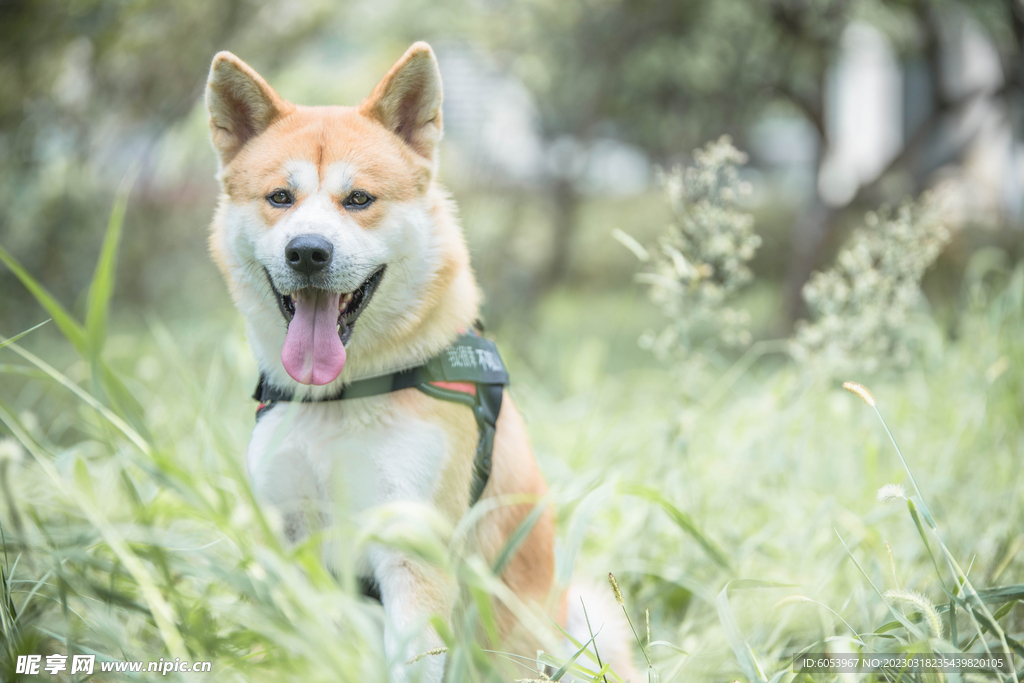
[[469, 372]]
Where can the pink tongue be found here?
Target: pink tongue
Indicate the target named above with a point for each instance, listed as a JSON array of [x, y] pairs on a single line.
[[313, 352]]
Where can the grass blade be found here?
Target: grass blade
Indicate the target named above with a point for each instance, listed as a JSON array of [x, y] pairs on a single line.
[[5, 342], [924, 537], [1014, 592], [518, 537], [102, 287], [60, 315], [671, 646], [683, 521], [115, 420], [953, 635], [744, 655], [1000, 613], [572, 660], [924, 506], [592, 637], [163, 614], [911, 628]]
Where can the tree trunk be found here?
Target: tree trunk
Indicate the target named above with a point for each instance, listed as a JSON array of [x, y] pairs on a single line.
[[567, 202], [812, 233]]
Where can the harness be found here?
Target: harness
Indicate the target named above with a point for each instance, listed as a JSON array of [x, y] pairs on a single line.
[[469, 372]]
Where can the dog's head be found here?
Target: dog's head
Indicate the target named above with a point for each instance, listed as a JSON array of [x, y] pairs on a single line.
[[331, 216]]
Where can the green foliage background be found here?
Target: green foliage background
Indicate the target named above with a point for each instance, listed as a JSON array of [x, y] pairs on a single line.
[[129, 529]]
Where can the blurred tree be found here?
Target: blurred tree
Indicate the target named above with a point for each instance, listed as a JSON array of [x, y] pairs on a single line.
[[598, 68], [86, 89], [668, 75]]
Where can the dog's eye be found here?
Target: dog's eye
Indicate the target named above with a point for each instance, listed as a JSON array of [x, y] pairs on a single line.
[[358, 199], [281, 198]]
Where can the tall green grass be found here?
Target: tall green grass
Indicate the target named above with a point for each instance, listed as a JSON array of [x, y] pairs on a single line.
[[750, 533], [135, 535]]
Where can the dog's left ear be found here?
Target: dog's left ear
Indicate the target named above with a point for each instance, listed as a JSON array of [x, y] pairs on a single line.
[[408, 100]]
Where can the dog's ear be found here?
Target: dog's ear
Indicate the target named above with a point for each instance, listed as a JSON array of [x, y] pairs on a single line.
[[241, 104], [408, 100]]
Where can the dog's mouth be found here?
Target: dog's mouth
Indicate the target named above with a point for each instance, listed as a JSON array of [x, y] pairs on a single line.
[[320, 324], [350, 304]]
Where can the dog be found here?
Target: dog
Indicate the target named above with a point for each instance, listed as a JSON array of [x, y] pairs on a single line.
[[343, 253]]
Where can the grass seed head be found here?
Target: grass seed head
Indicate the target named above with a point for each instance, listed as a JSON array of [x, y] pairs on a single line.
[[923, 605], [860, 390], [790, 599], [892, 563], [433, 652], [615, 589], [890, 493]]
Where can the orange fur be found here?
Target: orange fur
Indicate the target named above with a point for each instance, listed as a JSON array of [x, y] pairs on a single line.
[[390, 140]]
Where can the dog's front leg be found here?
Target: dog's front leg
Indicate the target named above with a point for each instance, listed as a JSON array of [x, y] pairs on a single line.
[[412, 592]]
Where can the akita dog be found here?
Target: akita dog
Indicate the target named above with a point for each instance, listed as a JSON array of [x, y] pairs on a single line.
[[342, 251]]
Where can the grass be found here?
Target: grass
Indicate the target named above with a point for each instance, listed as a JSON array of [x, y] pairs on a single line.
[[747, 526]]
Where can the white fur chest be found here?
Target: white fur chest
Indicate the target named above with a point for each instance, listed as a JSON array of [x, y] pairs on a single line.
[[341, 457]]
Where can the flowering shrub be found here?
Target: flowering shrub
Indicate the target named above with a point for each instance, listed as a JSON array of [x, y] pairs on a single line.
[[863, 310], [702, 258], [860, 307]]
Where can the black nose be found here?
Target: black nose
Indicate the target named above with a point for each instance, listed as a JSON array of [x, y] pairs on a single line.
[[308, 254]]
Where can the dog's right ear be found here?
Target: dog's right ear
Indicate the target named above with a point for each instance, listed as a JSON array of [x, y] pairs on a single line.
[[241, 105]]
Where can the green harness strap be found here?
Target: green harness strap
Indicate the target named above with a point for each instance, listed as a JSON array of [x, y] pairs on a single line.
[[471, 360]]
